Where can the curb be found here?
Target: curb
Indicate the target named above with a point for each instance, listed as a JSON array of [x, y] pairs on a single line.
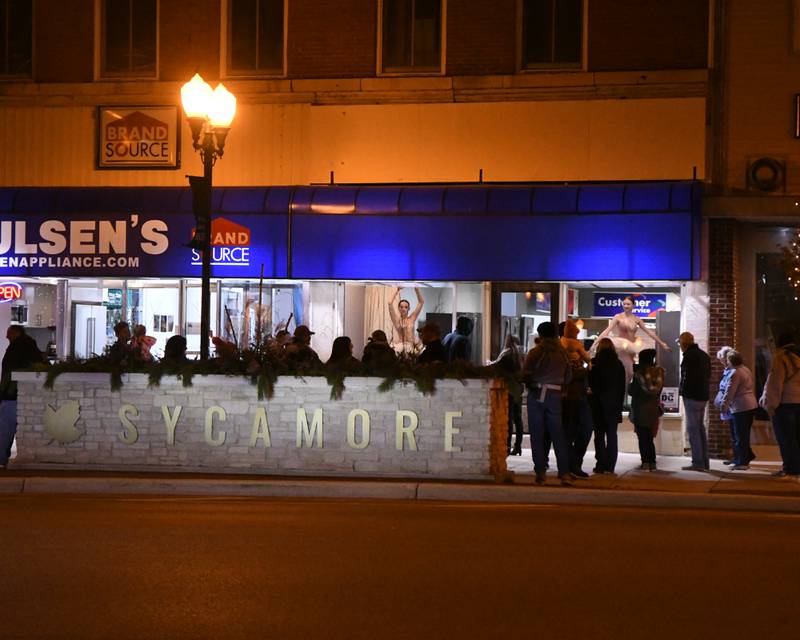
[[609, 498], [376, 490]]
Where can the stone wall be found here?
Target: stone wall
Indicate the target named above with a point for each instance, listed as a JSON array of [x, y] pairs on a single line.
[[218, 424]]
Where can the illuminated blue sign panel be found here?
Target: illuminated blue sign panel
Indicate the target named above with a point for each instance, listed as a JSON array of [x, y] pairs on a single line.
[[497, 247], [639, 231], [138, 245]]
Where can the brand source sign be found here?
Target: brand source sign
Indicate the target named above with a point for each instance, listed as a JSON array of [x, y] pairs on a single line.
[[230, 245], [144, 137], [645, 305], [137, 245]]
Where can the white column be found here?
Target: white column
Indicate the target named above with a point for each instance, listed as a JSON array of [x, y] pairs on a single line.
[[694, 311]]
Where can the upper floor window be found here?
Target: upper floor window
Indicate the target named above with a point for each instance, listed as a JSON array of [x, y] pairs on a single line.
[[255, 37], [129, 32], [16, 36], [412, 35], [552, 32]]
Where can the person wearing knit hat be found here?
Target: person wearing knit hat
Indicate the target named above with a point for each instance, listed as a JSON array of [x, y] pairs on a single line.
[[546, 372]]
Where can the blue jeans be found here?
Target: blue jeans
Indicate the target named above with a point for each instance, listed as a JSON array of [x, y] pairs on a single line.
[[545, 418], [741, 423], [606, 448], [696, 431], [8, 428], [786, 423]]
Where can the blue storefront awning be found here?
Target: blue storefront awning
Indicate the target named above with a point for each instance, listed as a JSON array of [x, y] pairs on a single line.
[[609, 231]]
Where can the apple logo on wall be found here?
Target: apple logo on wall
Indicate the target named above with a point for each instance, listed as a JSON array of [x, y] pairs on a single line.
[[60, 423]]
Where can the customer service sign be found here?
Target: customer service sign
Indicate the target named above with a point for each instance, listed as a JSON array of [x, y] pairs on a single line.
[[129, 245], [138, 138]]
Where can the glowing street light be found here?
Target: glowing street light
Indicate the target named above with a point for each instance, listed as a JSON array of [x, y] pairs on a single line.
[[210, 114]]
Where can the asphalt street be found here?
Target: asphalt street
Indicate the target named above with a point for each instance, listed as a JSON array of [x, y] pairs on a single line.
[[156, 567]]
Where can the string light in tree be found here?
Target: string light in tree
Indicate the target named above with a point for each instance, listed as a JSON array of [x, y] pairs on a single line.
[[790, 263]]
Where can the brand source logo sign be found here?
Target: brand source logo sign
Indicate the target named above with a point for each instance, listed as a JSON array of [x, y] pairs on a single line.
[[230, 245], [144, 137]]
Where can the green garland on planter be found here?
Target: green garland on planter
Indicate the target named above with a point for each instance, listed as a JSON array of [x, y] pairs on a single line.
[[263, 374]]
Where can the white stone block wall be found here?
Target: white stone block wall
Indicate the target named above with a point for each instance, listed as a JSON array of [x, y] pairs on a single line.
[[102, 439]]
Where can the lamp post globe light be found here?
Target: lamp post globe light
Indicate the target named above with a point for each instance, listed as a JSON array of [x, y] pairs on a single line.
[[209, 113]]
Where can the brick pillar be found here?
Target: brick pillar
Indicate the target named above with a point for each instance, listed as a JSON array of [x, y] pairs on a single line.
[[723, 284]]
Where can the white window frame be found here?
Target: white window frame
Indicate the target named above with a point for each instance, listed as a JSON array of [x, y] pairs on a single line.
[[411, 72], [224, 28], [99, 72], [553, 66]]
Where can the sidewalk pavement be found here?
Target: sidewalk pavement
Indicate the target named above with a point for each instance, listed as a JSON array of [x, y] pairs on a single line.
[[669, 487]]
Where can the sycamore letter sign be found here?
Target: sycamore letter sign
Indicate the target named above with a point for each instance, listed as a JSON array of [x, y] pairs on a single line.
[[220, 424]]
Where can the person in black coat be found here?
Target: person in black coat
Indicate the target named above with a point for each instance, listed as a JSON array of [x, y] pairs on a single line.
[[21, 353], [378, 358], [607, 384], [119, 352], [457, 343], [694, 389], [342, 359], [175, 352], [434, 350]]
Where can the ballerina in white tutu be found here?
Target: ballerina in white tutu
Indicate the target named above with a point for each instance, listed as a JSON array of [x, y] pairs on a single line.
[[624, 326]]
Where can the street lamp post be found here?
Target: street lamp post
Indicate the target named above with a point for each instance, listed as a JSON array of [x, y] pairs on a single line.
[[210, 114]]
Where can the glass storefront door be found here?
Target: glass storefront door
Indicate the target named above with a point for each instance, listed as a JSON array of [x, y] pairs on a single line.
[[517, 309]]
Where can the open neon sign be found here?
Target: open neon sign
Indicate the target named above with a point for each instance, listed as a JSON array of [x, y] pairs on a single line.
[[10, 291]]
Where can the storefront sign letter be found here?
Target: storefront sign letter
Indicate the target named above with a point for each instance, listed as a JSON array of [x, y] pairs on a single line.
[[131, 433], [260, 428], [306, 436], [210, 439], [351, 429], [450, 430], [170, 421], [402, 431]]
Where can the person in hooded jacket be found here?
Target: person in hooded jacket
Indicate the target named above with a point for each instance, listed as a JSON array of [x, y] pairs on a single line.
[[607, 383], [781, 399], [457, 343]]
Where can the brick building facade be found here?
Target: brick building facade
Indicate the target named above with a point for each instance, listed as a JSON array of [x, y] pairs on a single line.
[[627, 99], [757, 59]]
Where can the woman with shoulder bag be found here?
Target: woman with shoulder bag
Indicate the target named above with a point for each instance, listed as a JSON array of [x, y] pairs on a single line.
[[645, 392]]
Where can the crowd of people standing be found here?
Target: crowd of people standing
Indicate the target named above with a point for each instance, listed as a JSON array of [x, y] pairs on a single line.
[[569, 398]]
